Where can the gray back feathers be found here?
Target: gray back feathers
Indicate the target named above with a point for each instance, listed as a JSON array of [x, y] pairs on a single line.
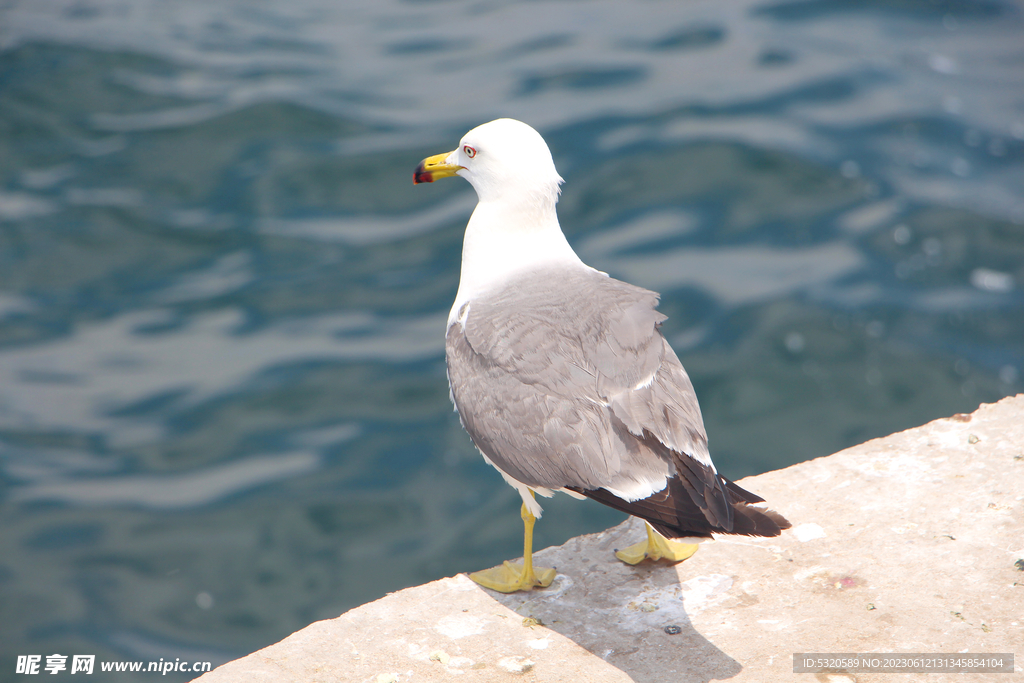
[[562, 379]]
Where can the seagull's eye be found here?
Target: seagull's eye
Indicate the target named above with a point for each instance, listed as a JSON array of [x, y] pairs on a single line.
[[470, 152]]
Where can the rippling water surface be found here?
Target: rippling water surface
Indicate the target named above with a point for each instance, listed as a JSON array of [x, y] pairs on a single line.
[[223, 405]]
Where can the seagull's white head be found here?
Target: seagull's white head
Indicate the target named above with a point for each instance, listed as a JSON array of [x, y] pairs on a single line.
[[504, 160], [514, 227]]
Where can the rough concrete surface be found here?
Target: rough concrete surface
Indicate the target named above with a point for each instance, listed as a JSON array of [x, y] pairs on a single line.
[[902, 544]]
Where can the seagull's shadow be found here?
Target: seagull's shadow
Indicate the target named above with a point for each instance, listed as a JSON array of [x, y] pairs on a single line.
[[634, 618]]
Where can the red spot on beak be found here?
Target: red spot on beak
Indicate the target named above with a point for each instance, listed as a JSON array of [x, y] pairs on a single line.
[[434, 168], [421, 175]]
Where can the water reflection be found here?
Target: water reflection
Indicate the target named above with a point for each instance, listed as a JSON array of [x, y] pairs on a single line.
[[189, 490]]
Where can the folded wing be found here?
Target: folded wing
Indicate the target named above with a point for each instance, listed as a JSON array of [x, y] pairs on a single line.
[[563, 380]]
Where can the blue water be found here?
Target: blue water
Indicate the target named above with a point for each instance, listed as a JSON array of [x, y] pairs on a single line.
[[223, 405]]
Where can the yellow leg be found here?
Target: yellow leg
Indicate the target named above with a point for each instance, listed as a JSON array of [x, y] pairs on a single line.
[[656, 547], [511, 577]]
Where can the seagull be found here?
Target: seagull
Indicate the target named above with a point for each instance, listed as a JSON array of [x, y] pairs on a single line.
[[561, 375]]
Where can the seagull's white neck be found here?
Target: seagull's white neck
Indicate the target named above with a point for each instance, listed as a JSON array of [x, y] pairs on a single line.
[[504, 238]]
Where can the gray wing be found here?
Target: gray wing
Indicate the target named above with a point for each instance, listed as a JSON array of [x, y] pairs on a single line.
[[562, 379]]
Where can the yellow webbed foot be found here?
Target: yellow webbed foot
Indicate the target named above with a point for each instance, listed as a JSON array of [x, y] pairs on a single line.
[[511, 577], [656, 547]]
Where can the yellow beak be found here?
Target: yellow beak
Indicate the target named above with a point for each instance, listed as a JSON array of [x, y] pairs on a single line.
[[432, 168]]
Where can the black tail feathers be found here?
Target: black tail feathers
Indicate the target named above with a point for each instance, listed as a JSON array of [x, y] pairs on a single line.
[[674, 514]]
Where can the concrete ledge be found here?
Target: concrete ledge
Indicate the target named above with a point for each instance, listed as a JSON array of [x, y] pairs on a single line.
[[902, 544]]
